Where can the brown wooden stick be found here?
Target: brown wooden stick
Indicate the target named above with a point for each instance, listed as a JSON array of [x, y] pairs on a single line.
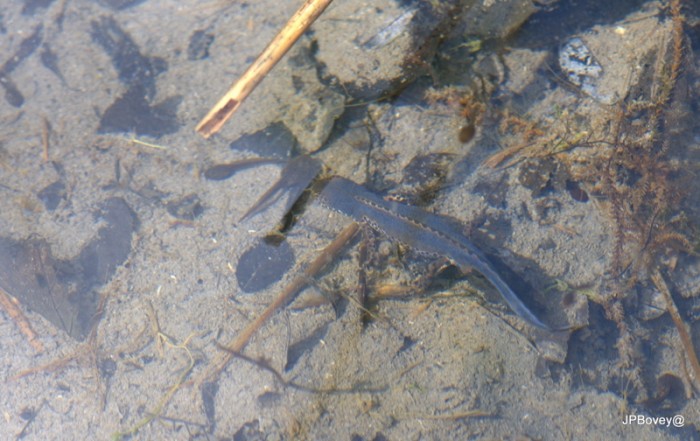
[[324, 258], [8, 304], [274, 51], [686, 339]]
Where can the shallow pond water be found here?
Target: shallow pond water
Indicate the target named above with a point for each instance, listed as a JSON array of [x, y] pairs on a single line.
[[122, 231]]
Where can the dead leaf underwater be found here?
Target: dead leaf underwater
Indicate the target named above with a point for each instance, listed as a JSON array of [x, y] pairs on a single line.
[[65, 292]]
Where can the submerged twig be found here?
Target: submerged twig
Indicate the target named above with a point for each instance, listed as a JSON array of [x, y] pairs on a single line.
[[300, 387], [290, 33], [321, 261], [8, 304], [686, 339], [133, 140]]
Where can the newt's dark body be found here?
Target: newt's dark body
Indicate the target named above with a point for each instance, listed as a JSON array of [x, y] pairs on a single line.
[[419, 229]]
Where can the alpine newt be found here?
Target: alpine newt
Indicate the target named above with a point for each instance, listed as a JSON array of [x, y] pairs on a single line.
[[421, 230]]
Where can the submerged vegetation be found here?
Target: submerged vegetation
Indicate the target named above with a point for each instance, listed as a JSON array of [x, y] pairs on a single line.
[[627, 159], [641, 181], [631, 162]]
